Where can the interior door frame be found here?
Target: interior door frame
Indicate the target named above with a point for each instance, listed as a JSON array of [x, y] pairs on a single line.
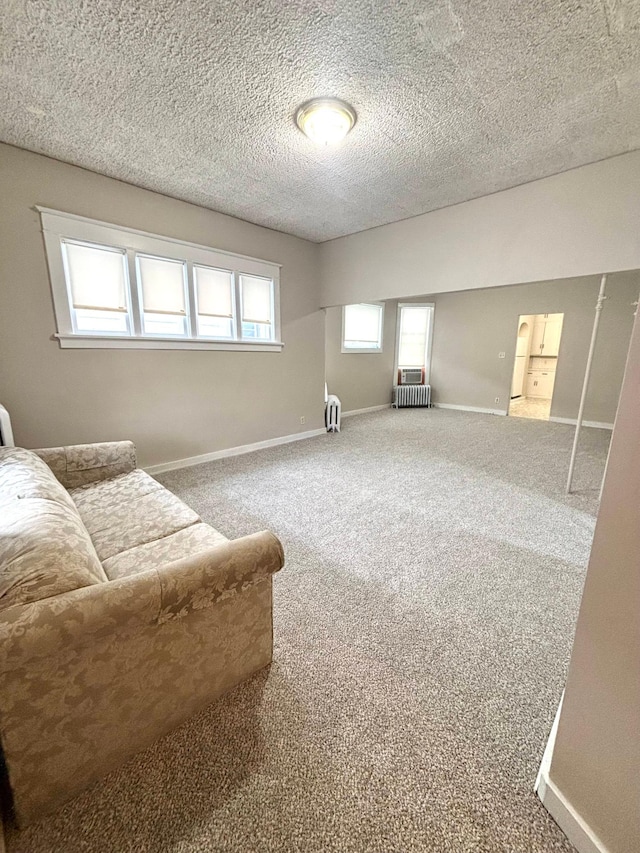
[[537, 314], [515, 355]]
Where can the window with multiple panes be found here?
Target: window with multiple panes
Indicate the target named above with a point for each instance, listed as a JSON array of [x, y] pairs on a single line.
[[415, 324], [362, 327], [115, 286]]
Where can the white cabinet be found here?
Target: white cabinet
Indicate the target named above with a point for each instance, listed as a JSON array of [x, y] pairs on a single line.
[[540, 383], [545, 384], [541, 368], [552, 334], [537, 338], [540, 363], [547, 331]]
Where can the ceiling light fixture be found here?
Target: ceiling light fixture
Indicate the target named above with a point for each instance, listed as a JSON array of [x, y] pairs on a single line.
[[325, 120]]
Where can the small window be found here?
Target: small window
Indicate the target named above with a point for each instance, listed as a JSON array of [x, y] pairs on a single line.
[[98, 288], [362, 327], [162, 296], [415, 324], [414, 328], [117, 287], [257, 308], [214, 300]]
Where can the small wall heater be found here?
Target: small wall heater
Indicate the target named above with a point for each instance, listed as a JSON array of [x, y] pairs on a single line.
[[411, 396], [6, 433], [333, 413]]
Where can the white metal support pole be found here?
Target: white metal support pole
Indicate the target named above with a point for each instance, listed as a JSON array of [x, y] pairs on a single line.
[[604, 476], [587, 377]]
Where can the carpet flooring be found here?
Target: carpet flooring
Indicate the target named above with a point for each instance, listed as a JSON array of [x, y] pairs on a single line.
[[423, 625]]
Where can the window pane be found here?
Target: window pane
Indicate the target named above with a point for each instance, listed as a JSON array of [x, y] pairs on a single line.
[[164, 324], [414, 326], [106, 322], [214, 298], [162, 284], [214, 292], [362, 326], [360, 345], [257, 331], [412, 353], [256, 299], [215, 327], [415, 320], [96, 276]]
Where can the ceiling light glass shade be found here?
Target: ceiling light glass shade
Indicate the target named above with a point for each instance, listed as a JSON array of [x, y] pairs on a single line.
[[325, 120]]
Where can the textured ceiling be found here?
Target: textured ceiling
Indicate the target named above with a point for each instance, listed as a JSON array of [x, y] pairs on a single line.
[[195, 99]]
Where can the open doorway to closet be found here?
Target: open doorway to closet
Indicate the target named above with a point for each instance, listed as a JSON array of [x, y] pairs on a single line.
[[536, 361]]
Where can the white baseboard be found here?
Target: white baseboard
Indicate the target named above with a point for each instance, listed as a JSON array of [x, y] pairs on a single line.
[[469, 409], [548, 750], [232, 451], [365, 411], [251, 448], [594, 424], [565, 815], [570, 822]]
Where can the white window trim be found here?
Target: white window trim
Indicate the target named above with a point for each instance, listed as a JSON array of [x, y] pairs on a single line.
[[379, 349], [429, 347], [57, 225]]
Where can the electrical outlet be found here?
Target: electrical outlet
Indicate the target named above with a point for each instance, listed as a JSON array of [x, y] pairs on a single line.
[[303, 420], [497, 399], [501, 354]]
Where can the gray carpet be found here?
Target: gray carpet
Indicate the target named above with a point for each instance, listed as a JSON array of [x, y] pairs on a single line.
[[423, 625]]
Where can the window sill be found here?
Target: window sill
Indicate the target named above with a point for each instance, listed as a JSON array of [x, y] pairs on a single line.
[[130, 342]]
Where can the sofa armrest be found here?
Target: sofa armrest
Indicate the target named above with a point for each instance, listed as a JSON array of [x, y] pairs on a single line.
[[80, 464], [55, 626], [198, 581]]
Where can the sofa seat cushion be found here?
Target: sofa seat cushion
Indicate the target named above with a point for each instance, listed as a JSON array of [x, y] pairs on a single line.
[[130, 510], [96, 501], [185, 543]]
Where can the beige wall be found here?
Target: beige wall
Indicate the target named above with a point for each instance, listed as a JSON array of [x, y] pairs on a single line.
[[580, 222], [470, 329], [360, 380], [473, 326], [596, 758], [172, 403]]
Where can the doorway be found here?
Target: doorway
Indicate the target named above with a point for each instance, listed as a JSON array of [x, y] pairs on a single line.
[[535, 364]]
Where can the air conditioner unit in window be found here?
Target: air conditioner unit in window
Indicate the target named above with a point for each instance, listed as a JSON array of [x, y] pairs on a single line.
[[411, 376]]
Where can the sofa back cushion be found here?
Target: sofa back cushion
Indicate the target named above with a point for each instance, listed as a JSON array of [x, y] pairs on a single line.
[[45, 549]]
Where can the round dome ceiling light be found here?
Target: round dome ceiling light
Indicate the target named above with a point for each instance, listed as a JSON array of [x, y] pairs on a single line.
[[325, 120]]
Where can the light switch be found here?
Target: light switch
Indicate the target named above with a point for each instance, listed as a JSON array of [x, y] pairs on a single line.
[[501, 355]]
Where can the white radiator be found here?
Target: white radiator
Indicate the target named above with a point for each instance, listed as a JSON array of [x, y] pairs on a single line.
[[411, 395], [333, 413]]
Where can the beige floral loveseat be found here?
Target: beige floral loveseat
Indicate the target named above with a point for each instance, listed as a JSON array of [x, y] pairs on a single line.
[[121, 614]]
